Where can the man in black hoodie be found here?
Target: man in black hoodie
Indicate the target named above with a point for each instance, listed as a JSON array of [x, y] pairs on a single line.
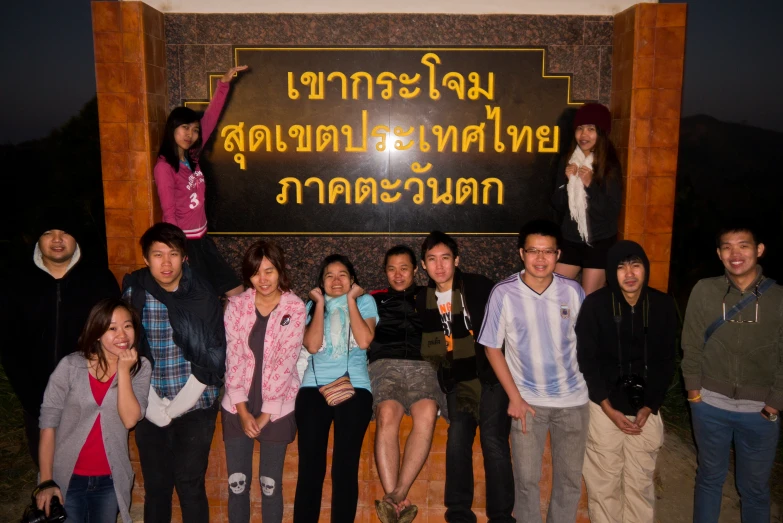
[[44, 305], [625, 347]]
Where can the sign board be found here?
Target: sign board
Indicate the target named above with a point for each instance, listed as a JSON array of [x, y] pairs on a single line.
[[386, 141]]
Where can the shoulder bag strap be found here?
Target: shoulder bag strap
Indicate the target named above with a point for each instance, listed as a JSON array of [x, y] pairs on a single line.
[[762, 287]]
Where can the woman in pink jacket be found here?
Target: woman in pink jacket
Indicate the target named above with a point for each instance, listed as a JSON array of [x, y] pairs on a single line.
[[264, 330], [181, 188]]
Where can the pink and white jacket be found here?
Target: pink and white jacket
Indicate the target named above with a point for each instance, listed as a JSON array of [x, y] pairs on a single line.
[[182, 192], [282, 342]]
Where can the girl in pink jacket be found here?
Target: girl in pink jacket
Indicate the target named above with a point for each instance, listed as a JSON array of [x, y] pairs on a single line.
[[264, 330], [181, 189]]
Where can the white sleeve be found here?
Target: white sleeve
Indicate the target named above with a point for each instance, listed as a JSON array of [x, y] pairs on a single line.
[[493, 331], [186, 398], [156, 409]]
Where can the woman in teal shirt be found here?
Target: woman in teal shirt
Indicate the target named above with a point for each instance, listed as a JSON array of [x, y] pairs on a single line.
[[341, 322]]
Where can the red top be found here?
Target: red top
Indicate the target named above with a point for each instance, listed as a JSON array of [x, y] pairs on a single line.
[[92, 459]]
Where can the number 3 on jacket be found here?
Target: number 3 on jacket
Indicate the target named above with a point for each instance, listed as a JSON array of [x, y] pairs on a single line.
[[194, 201]]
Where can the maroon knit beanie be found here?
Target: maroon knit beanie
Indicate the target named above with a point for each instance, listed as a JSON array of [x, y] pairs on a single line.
[[595, 114]]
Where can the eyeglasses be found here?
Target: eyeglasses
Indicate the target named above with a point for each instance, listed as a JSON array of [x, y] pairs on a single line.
[[756, 320], [536, 252]]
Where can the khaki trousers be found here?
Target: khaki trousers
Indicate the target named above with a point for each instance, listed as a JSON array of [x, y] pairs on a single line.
[[619, 468]]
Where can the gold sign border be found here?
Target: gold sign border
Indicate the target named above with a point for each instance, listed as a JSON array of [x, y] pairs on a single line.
[[503, 49]]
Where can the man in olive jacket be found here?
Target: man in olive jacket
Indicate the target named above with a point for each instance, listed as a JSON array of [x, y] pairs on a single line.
[[733, 347]]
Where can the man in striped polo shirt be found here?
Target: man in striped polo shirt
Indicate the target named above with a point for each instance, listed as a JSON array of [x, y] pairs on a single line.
[[534, 312]]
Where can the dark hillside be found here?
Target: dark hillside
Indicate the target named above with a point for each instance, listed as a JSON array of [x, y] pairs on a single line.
[[725, 171]]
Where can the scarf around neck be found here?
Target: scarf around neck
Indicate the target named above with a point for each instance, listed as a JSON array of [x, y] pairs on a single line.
[[459, 364], [577, 196], [337, 326]]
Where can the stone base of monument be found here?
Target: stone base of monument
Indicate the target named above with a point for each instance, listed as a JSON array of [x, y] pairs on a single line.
[[427, 490]]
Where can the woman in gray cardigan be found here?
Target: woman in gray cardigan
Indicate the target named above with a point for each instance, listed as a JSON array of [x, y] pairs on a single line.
[[93, 398]]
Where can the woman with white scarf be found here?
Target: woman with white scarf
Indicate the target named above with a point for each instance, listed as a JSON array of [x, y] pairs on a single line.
[[341, 322], [589, 193]]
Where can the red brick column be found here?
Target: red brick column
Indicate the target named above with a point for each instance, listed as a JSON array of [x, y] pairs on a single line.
[[647, 66], [130, 76]]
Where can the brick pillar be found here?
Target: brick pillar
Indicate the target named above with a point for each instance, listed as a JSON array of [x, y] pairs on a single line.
[[647, 66], [130, 76]]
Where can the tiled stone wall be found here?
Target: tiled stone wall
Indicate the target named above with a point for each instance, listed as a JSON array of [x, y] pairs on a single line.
[[197, 44]]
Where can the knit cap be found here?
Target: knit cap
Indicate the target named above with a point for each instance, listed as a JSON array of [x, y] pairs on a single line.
[[594, 114], [59, 218]]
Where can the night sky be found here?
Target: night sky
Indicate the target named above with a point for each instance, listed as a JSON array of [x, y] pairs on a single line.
[[733, 69]]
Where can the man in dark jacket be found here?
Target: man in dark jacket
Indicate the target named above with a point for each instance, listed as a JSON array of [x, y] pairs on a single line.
[[44, 306], [452, 312], [185, 340], [626, 336], [402, 383]]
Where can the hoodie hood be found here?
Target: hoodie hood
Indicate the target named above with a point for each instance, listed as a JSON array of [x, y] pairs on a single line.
[[618, 251], [38, 259]]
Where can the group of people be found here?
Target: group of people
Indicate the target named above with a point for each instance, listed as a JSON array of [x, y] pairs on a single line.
[[535, 354]]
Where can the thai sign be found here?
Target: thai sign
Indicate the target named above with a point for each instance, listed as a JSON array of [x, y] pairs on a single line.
[[386, 140]]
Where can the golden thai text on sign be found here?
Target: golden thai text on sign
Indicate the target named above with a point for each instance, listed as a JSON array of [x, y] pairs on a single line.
[[360, 139]]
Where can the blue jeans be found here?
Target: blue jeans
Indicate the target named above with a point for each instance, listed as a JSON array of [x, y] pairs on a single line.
[[755, 441], [91, 499]]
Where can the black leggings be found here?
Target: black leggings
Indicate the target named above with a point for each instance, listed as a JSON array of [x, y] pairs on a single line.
[[314, 419]]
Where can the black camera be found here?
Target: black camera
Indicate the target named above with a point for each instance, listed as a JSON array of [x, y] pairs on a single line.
[[33, 514], [633, 387]]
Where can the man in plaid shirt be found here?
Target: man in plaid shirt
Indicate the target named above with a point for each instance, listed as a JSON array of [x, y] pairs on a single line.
[[185, 339]]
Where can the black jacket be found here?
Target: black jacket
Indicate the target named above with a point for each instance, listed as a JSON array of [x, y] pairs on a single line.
[[42, 318], [196, 319], [603, 204], [596, 334], [398, 334], [476, 290]]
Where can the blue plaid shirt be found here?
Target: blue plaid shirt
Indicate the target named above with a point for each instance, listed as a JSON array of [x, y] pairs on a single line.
[[171, 370]]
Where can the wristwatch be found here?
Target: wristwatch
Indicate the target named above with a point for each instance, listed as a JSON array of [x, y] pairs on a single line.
[[767, 414]]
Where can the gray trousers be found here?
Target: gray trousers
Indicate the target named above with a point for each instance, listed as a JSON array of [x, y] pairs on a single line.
[[239, 462], [568, 435]]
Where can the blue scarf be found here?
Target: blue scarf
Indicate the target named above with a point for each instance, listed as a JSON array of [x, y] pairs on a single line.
[[337, 326]]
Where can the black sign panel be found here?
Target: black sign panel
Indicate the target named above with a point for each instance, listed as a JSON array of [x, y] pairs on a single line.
[[386, 140]]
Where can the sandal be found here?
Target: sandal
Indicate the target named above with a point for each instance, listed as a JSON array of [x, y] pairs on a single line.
[[408, 514], [387, 513]]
